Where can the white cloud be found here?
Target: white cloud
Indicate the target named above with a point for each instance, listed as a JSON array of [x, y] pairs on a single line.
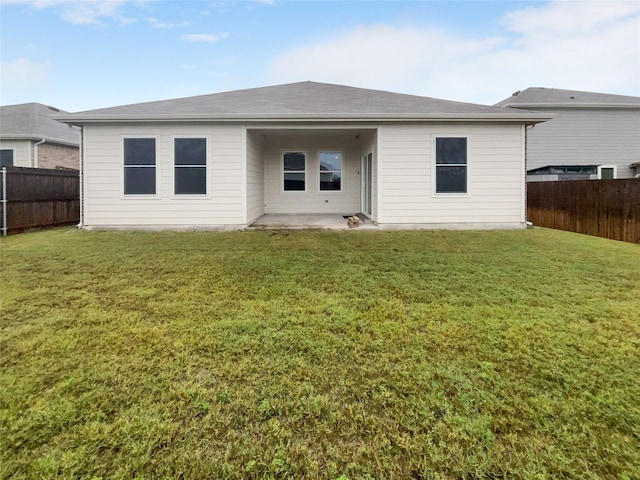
[[204, 37], [83, 11], [155, 23], [575, 45], [22, 77]]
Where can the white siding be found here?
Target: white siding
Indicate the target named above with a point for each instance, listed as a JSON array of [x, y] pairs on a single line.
[[22, 151], [495, 176], [245, 175], [313, 200], [106, 205], [255, 177], [586, 137]]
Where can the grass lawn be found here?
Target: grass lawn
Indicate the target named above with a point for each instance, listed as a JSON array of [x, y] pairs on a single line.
[[351, 355]]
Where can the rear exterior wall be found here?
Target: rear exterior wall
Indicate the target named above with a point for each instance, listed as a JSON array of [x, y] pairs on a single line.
[[244, 176], [255, 177], [313, 200], [495, 176], [105, 204]]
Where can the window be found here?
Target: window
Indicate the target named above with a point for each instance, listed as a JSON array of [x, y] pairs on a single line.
[[451, 165], [330, 170], [294, 167], [6, 158], [190, 158], [606, 172], [139, 166]]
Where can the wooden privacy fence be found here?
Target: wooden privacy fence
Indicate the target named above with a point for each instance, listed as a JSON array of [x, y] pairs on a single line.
[[37, 198], [604, 208]]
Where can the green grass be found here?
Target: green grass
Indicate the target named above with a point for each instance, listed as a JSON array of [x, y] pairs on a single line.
[[352, 355]]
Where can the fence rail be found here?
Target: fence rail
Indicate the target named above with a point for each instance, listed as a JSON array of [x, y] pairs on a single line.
[[37, 198], [604, 208]]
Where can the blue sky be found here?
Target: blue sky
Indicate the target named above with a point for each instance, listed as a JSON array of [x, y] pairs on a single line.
[[80, 55]]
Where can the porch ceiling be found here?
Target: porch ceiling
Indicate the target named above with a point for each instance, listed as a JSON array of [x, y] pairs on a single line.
[[328, 132]]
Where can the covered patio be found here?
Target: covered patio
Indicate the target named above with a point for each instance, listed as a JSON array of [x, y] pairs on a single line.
[[310, 176], [319, 221]]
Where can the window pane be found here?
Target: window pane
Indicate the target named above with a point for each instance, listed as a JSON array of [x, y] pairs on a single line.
[[331, 161], [139, 151], [294, 181], [294, 161], [191, 180], [451, 150], [606, 173], [6, 158], [139, 180], [330, 181], [191, 151], [451, 179]]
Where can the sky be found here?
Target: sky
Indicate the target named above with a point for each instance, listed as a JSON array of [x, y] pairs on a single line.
[[82, 55]]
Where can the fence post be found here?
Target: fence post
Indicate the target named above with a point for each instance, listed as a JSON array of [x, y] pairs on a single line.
[[4, 202]]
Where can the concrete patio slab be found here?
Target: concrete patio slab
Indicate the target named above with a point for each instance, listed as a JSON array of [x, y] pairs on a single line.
[[309, 221]]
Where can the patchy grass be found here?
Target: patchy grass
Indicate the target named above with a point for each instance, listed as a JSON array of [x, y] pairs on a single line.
[[352, 355]]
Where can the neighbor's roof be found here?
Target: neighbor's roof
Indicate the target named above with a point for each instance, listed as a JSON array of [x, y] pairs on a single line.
[[32, 121], [303, 101], [549, 167], [534, 97]]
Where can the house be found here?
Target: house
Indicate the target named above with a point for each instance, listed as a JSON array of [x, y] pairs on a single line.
[[29, 137], [224, 160], [592, 135]]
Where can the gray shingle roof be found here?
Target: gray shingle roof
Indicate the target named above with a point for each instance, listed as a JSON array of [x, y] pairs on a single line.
[[539, 96], [303, 100], [32, 121]]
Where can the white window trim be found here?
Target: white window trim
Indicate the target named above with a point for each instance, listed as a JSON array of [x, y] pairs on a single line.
[[133, 196], [342, 170], [306, 170], [187, 196], [13, 155], [614, 167], [434, 165]]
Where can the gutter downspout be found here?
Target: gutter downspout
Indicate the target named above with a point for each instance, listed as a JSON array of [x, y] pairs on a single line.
[[81, 177], [528, 223], [35, 152]]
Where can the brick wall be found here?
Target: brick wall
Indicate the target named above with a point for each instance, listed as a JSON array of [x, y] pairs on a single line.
[[51, 155]]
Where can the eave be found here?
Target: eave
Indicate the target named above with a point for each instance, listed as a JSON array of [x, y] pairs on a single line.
[[38, 138], [82, 119]]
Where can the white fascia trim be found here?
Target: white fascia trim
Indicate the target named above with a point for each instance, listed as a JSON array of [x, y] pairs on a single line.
[[444, 117]]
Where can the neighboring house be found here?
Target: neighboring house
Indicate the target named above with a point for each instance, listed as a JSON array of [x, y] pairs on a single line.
[[226, 159], [29, 137], [592, 135]]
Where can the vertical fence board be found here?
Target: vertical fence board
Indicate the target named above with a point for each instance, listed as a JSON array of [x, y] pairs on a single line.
[[603, 208], [38, 198]]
